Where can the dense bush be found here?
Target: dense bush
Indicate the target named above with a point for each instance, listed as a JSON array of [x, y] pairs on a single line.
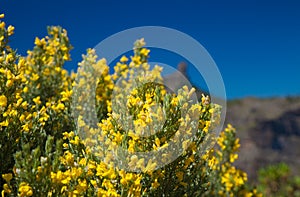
[[42, 149]]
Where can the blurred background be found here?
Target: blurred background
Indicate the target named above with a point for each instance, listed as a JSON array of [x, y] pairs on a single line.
[[255, 44]]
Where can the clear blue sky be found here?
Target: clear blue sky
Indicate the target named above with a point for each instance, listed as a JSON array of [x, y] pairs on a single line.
[[256, 44]]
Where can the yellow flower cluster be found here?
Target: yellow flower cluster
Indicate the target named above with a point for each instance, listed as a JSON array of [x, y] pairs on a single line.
[[61, 142], [233, 178], [25, 190]]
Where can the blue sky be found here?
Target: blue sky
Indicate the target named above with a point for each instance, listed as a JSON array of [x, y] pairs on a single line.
[[255, 44]]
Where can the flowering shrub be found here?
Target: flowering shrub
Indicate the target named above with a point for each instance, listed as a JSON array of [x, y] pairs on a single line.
[[49, 147]]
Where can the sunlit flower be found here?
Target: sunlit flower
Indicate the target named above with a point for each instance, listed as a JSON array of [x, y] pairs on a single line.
[[7, 177], [25, 190], [3, 101]]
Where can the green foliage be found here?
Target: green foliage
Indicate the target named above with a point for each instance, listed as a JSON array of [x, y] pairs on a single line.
[[276, 180]]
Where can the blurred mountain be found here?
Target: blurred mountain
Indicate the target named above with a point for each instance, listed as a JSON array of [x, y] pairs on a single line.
[[178, 79], [268, 128]]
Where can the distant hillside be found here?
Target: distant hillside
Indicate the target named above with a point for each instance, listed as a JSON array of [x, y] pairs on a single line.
[[269, 130]]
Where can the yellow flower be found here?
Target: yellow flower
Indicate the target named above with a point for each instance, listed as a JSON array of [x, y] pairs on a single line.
[[82, 162], [101, 168], [1, 15], [65, 135], [60, 106], [7, 177], [110, 173], [133, 160], [131, 145], [174, 101], [25, 190], [34, 77], [226, 179], [2, 25], [144, 51], [22, 118], [150, 167], [4, 123], [118, 137], [25, 89], [6, 189], [233, 157], [26, 127], [66, 56], [3, 101], [9, 58], [10, 30], [37, 100], [136, 60], [82, 186], [129, 176], [65, 145], [155, 184], [37, 41], [141, 163], [66, 95], [75, 141], [68, 158], [123, 59], [9, 83], [137, 181]]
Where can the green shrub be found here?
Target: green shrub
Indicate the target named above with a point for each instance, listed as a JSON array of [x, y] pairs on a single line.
[[276, 180]]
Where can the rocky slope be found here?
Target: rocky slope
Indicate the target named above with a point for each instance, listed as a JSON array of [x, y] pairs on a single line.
[[269, 130]]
